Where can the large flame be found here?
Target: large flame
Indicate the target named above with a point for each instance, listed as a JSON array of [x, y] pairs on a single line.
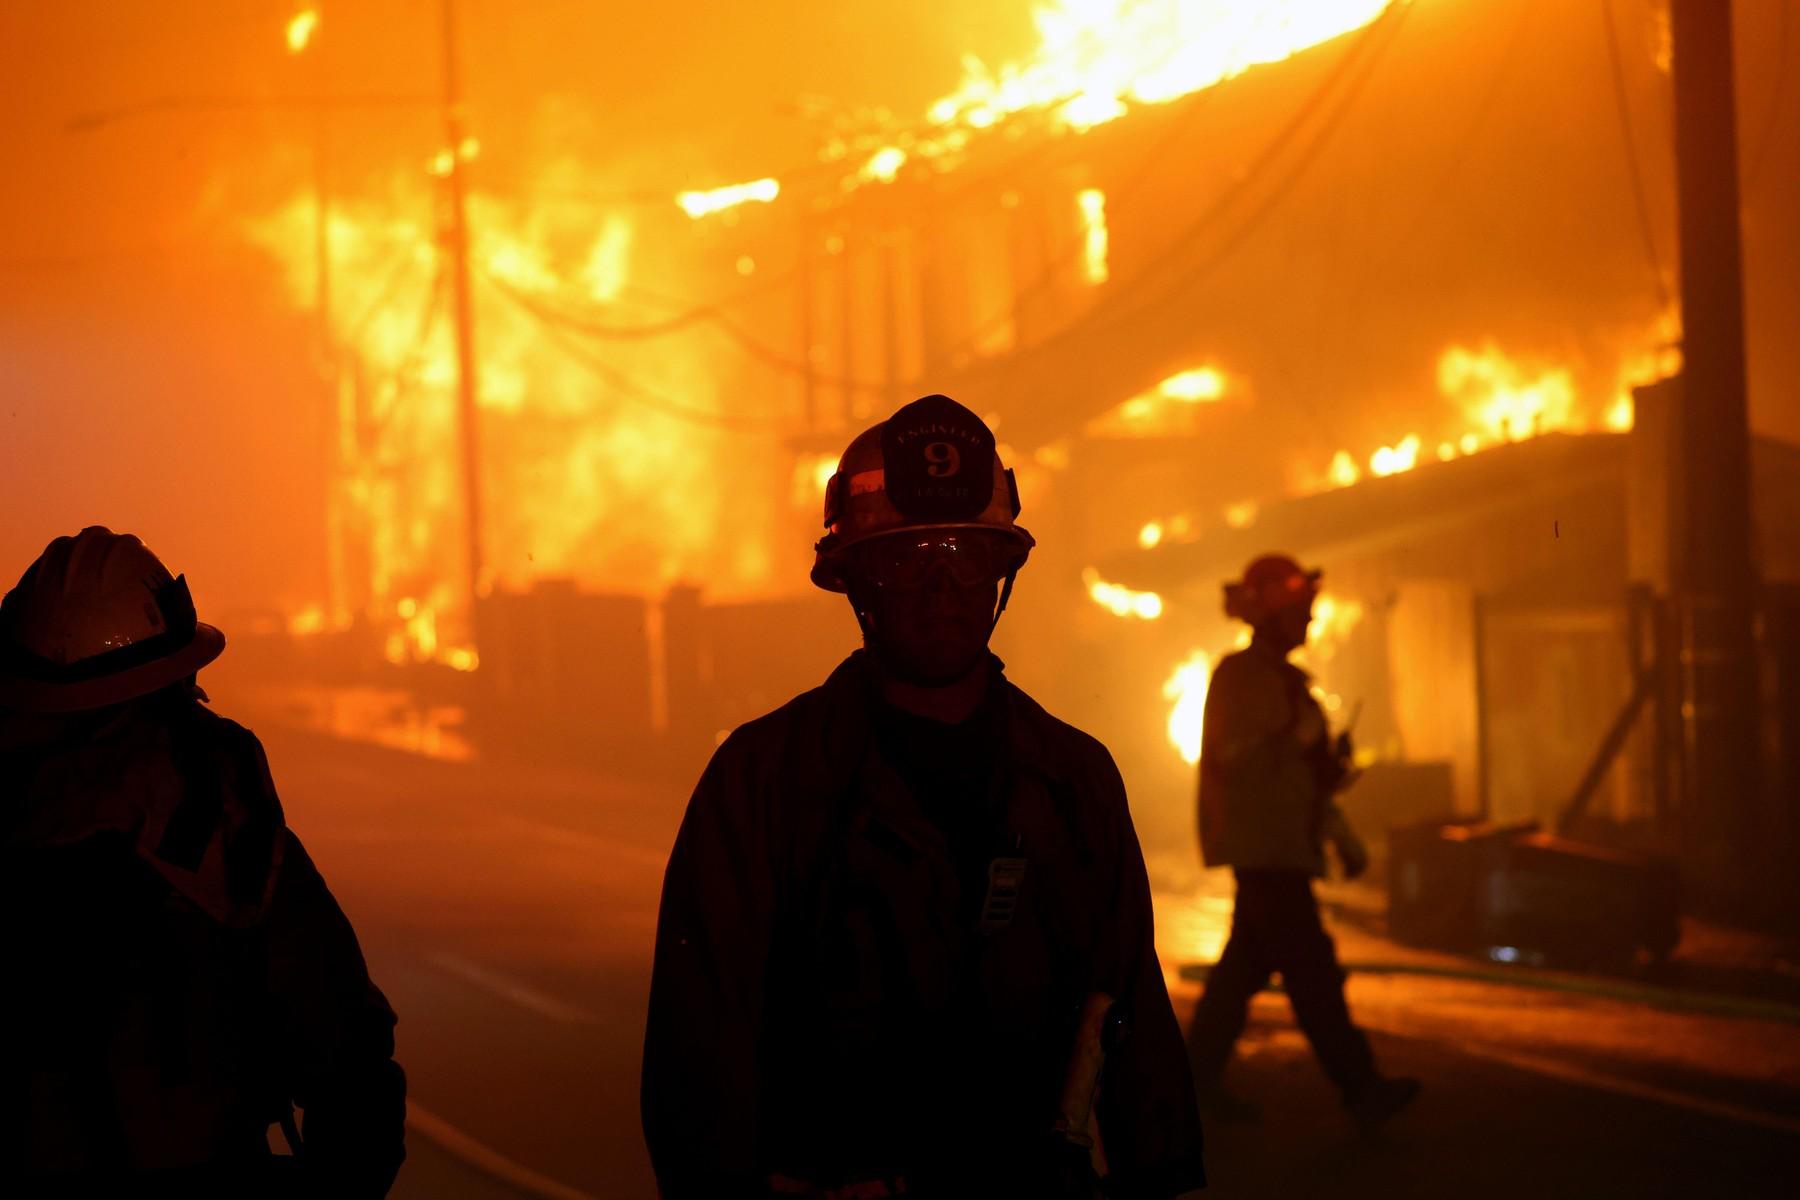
[[1499, 398], [600, 461], [1120, 600], [1096, 58], [1185, 689], [1093, 61]]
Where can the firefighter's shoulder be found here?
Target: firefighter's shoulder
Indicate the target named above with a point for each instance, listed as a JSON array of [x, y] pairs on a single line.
[[795, 749], [1053, 745], [1243, 674]]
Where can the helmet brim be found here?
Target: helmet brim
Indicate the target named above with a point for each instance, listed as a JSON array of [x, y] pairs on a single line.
[[23, 693], [828, 564]]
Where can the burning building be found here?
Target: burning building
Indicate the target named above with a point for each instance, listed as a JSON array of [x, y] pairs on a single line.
[[1222, 277]]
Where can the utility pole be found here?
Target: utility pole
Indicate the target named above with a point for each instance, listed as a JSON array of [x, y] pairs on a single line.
[[1714, 574], [468, 381]]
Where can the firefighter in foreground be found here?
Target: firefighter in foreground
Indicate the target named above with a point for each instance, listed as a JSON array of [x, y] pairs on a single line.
[[1268, 781], [905, 926], [177, 974]]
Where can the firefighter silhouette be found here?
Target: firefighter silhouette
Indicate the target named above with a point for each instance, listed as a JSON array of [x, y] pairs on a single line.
[[1268, 781], [905, 926], [178, 975]]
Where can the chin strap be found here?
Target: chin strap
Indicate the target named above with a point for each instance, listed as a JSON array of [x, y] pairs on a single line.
[[1005, 595]]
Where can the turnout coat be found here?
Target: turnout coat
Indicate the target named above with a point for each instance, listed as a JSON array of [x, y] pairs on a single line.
[[179, 972], [824, 1006]]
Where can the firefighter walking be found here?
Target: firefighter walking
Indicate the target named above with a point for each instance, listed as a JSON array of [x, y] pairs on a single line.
[[1269, 776], [905, 927]]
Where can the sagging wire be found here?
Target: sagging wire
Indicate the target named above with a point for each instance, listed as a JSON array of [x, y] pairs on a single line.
[[626, 387], [1640, 201]]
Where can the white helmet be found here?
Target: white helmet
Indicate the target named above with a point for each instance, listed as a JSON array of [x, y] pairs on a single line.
[[98, 620]]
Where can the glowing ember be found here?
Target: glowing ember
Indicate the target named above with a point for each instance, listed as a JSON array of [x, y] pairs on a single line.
[[1622, 414], [1202, 383], [703, 204], [1151, 535], [1092, 205], [1391, 460], [884, 165], [1187, 687], [1343, 471], [1120, 600], [300, 30]]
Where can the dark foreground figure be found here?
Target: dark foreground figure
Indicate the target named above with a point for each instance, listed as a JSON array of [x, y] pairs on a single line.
[[177, 975], [906, 923], [1268, 777]]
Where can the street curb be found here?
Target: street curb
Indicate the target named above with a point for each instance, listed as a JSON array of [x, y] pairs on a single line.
[[1710, 1003]]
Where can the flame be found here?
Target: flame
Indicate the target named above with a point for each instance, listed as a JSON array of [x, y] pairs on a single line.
[[1201, 383], [883, 165], [1507, 402], [1166, 409], [300, 29], [1186, 687], [1120, 600], [1391, 460], [1092, 205], [1150, 535], [1501, 399], [713, 200], [590, 477], [1096, 58]]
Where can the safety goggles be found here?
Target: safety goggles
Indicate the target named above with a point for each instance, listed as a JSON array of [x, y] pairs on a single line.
[[908, 561]]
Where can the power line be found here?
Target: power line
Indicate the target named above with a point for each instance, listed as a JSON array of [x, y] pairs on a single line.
[[571, 323], [1640, 202], [628, 388], [1389, 23], [1116, 303], [1193, 104]]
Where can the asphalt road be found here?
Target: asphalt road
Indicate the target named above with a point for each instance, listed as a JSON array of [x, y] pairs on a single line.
[[508, 914]]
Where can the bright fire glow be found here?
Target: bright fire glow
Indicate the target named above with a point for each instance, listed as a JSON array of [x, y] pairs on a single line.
[[1095, 58], [1391, 460], [300, 29], [1241, 515], [1201, 383], [1186, 688], [588, 477], [1092, 205], [1165, 410], [703, 204], [884, 165], [1151, 535], [1501, 399], [1120, 600], [1506, 402]]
